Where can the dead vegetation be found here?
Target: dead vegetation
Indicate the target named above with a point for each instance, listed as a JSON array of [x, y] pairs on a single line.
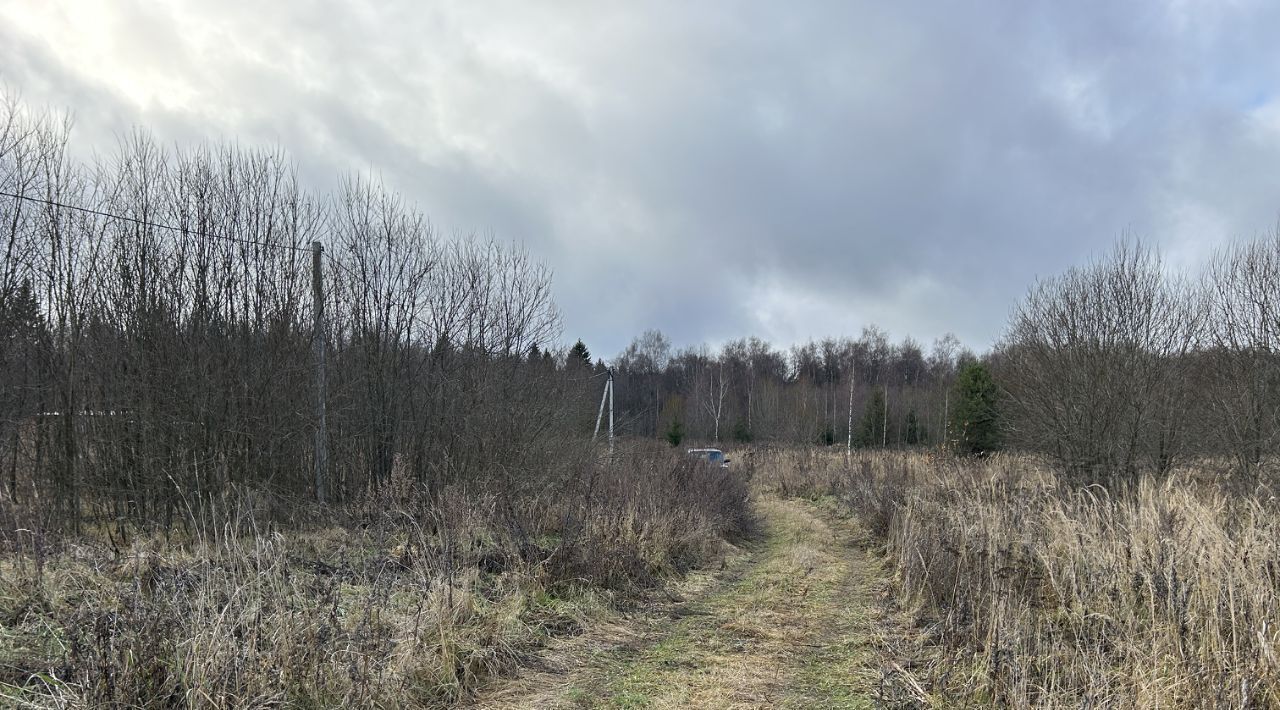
[[795, 619], [1032, 594], [411, 598]]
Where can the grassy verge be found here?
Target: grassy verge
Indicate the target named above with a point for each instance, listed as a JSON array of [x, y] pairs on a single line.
[[1028, 593], [409, 598]]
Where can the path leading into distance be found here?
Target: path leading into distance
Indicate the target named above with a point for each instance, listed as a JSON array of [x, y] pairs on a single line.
[[795, 621]]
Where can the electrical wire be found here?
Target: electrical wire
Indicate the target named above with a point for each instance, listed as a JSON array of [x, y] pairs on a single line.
[[189, 233], [154, 225]]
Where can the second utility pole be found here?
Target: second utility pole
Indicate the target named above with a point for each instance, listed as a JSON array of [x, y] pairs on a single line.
[[606, 395], [317, 349]]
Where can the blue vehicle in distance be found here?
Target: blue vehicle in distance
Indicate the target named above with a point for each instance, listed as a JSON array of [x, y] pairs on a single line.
[[714, 457]]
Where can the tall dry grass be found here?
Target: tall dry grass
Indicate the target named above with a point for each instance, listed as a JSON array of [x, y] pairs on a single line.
[[411, 598], [1031, 594]]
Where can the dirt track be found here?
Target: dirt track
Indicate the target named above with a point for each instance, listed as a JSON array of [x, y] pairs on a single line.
[[796, 620]]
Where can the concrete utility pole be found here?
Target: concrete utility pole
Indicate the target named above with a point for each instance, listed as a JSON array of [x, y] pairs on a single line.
[[849, 445], [317, 349], [884, 436], [606, 395], [946, 403]]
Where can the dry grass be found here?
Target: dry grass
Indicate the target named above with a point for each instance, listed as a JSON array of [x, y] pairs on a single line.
[[412, 598], [1032, 595]]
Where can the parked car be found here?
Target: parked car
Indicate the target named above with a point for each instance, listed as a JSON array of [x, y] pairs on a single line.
[[715, 457]]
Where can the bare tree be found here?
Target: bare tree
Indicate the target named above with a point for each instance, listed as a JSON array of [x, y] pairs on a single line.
[[1094, 365], [1242, 377], [164, 304], [717, 386]]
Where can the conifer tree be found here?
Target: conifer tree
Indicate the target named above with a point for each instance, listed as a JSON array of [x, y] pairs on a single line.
[[975, 417], [871, 433], [914, 430], [580, 354], [675, 432]]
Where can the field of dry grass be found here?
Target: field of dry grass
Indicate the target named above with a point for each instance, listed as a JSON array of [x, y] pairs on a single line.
[[1029, 594], [406, 599], [1008, 589]]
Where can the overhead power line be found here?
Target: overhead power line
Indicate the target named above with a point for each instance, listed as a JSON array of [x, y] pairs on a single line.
[[154, 225]]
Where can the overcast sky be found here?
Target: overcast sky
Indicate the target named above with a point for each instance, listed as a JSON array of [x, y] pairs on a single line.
[[720, 169]]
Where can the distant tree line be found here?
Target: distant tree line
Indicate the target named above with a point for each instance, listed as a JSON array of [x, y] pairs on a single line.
[[1121, 367], [866, 391]]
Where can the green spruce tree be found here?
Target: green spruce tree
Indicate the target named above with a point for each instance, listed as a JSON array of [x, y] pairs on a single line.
[[914, 433], [675, 432], [871, 430], [974, 426], [580, 354], [20, 313]]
